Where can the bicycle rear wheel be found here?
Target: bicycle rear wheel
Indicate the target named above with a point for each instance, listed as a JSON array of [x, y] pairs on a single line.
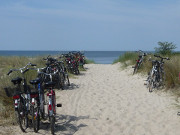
[[22, 117], [52, 124], [42, 108], [35, 118]]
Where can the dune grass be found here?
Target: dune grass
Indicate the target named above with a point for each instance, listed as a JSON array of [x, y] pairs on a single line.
[[171, 67], [128, 58], [88, 61]]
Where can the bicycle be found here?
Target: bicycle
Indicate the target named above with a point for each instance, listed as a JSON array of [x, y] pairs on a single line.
[[139, 61], [51, 100], [64, 74], [72, 63], [39, 109], [53, 66], [23, 99], [156, 77]]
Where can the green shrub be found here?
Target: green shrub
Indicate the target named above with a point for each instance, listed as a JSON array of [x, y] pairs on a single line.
[[165, 48]]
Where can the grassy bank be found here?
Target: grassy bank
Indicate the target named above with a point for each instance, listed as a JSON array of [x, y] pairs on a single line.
[[128, 58], [171, 67]]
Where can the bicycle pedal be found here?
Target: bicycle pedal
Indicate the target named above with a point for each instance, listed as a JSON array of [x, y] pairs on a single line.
[[59, 105]]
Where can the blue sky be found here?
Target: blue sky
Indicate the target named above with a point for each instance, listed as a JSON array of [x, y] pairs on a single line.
[[114, 25]]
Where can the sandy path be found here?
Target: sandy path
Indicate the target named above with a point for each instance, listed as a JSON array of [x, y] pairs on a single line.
[[107, 101]]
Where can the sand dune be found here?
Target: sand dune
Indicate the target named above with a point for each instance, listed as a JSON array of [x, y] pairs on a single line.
[[106, 100]]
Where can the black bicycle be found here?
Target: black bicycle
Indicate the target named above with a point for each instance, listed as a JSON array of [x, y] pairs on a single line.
[[23, 98], [156, 77]]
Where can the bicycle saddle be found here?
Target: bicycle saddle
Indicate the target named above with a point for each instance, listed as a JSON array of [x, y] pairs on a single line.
[[49, 84], [35, 81]]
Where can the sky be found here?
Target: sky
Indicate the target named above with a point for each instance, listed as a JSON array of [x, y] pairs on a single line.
[[89, 25]]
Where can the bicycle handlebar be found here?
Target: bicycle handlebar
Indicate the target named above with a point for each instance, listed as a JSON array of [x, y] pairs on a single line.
[[161, 57], [21, 69], [25, 71], [10, 71]]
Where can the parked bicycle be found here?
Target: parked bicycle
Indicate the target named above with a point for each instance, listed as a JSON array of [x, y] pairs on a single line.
[[55, 67], [72, 63], [156, 77], [51, 100], [24, 98], [139, 61]]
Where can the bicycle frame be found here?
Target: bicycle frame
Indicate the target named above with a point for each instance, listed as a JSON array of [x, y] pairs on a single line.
[[51, 102]]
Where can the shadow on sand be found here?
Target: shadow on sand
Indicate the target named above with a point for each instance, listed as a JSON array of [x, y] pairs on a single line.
[[65, 124], [71, 87]]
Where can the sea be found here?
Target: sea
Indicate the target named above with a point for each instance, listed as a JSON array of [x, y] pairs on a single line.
[[99, 57]]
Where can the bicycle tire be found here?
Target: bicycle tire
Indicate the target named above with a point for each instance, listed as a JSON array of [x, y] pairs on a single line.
[[42, 108], [151, 82], [150, 85], [62, 81], [67, 78], [52, 124], [35, 118], [135, 69], [16, 114], [22, 117], [59, 81]]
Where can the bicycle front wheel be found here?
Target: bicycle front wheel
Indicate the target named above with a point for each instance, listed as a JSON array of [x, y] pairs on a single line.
[[22, 117], [135, 69], [150, 84]]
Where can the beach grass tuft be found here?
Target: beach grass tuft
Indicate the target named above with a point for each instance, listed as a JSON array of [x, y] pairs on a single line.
[[128, 58], [171, 67]]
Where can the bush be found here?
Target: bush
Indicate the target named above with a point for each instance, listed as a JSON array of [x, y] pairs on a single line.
[[165, 48]]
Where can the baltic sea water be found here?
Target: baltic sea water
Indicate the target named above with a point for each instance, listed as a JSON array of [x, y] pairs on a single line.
[[100, 57]]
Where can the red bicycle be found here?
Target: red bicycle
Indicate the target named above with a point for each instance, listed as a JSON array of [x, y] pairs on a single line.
[[51, 100], [139, 61]]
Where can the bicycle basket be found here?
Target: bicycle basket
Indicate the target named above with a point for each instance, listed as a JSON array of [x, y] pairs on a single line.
[[10, 92]]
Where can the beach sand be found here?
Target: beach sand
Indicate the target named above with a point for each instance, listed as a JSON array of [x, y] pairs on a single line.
[[106, 100]]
